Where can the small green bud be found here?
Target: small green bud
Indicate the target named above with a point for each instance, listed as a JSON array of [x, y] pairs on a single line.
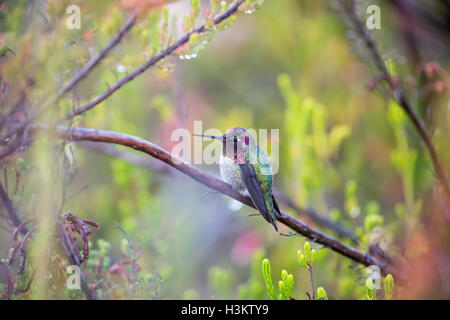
[[307, 248], [281, 286], [290, 285], [371, 290], [284, 275], [284, 288], [268, 279], [321, 294], [290, 278], [313, 256], [389, 287], [301, 259], [266, 268]]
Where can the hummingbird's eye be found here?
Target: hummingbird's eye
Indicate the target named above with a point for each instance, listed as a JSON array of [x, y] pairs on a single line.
[[235, 139]]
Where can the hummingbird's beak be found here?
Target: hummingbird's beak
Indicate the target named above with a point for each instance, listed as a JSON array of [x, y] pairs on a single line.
[[208, 136]]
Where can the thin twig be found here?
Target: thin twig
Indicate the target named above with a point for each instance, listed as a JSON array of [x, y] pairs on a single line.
[[397, 92], [74, 260], [152, 61], [11, 210], [83, 134], [312, 282], [95, 60]]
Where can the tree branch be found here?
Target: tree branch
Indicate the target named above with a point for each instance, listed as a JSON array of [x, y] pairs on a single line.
[[311, 279], [152, 61], [317, 218], [11, 210], [397, 92], [84, 134]]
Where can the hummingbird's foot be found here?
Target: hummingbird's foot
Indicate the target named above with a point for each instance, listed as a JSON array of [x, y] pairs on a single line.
[[254, 214], [290, 234]]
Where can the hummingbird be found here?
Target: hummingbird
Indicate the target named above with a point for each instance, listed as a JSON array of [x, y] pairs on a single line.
[[246, 167]]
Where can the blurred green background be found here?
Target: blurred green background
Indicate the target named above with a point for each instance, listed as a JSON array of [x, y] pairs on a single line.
[[345, 151]]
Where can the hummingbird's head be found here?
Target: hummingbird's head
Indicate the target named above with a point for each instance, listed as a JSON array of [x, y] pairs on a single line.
[[237, 142], [239, 136]]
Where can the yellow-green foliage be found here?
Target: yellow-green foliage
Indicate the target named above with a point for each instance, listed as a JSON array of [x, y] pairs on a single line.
[[285, 285], [309, 144], [321, 294]]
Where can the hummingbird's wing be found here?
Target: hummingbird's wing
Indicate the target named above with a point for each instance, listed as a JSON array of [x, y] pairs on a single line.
[[250, 179]]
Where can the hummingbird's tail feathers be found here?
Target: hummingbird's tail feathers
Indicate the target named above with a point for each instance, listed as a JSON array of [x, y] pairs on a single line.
[[277, 212], [274, 223], [250, 179], [275, 205], [248, 175]]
